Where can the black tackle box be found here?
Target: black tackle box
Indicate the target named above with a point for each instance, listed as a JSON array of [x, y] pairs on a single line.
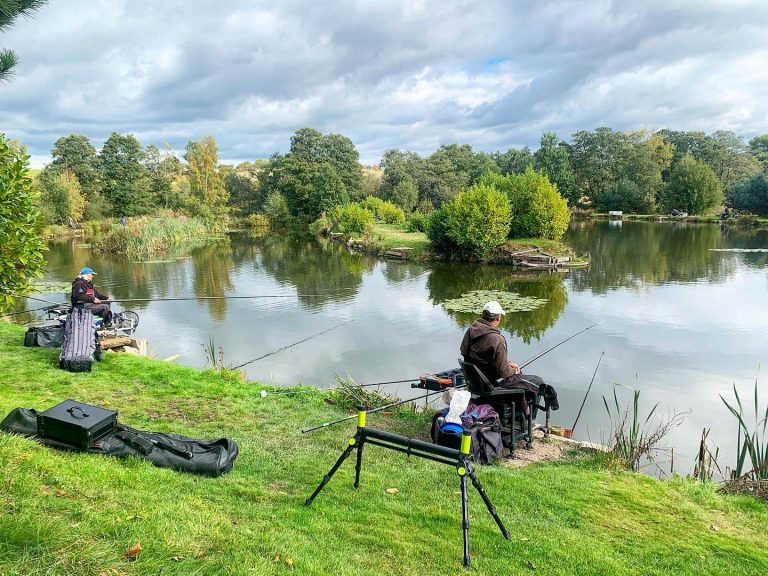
[[76, 424]]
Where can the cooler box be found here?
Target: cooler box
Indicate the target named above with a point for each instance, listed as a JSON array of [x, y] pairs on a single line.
[[76, 424]]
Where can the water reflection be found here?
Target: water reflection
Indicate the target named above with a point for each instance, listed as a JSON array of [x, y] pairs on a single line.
[[450, 281]]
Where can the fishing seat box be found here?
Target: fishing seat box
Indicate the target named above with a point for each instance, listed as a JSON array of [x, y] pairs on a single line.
[[76, 424]]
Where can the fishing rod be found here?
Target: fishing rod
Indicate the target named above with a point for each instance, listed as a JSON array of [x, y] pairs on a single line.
[[292, 345], [325, 425], [588, 389], [23, 312], [178, 298], [39, 300], [385, 383]]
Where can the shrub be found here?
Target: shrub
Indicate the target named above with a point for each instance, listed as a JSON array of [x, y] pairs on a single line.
[[372, 204], [321, 226], [391, 214], [425, 206], [437, 230], [258, 220], [405, 194], [693, 187], [625, 196], [478, 219], [538, 210], [276, 207], [751, 195], [416, 222], [352, 219]]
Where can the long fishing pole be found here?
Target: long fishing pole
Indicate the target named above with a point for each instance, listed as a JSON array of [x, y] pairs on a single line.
[[292, 345], [588, 389], [23, 312], [217, 297], [326, 424], [40, 300], [374, 410]]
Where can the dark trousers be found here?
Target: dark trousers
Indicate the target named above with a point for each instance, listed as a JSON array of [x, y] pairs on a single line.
[[527, 382], [102, 310]]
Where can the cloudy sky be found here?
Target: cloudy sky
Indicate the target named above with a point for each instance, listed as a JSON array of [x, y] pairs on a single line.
[[409, 74]]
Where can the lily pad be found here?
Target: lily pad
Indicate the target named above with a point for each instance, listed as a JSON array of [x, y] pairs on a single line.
[[473, 302]]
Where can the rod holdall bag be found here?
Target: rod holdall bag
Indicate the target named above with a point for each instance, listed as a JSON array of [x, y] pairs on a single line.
[[44, 336], [81, 343], [76, 424]]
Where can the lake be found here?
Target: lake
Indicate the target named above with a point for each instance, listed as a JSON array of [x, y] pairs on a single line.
[[679, 320]]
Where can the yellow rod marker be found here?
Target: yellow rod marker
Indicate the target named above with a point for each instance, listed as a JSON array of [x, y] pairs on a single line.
[[466, 442], [361, 414]]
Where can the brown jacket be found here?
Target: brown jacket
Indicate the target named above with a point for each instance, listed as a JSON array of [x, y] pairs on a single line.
[[485, 346]]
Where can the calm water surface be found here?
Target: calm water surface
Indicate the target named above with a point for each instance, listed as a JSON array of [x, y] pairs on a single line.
[[679, 321]]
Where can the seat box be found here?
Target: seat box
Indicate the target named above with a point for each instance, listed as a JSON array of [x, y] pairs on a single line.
[[76, 424]]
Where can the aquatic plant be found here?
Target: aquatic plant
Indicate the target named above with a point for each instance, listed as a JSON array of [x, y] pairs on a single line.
[[632, 438], [752, 444], [143, 236], [510, 301], [349, 395]]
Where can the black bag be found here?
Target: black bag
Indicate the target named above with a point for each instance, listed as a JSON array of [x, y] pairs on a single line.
[[484, 426], [81, 343], [208, 457], [76, 424], [44, 336]]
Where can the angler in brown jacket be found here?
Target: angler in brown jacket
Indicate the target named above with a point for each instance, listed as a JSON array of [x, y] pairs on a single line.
[[484, 346]]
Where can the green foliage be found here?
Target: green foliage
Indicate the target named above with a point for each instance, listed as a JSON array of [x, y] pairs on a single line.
[[473, 302], [76, 153], [693, 188], [164, 171], [372, 204], [751, 444], [478, 219], [146, 236], [405, 194], [21, 250], [750, 195], [352, 219], [551, 159], [759, 147], [61, 198], [625, 196], [276, 208], [258, 221], [9, 11], [597, 158], [514, 160], [242, 185], [126, 180], [538, 210], [390, 214], [208, 196], [646, 161], [328, 191], [417, 222], [437, 231]]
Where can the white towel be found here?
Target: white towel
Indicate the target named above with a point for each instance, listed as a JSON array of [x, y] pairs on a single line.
[[459, 403]]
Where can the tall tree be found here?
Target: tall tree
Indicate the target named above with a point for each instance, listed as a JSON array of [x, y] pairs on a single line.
[[126, 180], [21, 249], [597, 158], [76, 154], [552, 160], [9, 11], [514, 160], [61, 198], [759, 147], [328, 191], [648, 157], [209, 197]]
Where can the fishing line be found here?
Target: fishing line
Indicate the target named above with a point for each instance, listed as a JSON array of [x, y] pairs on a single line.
[[292, 345]]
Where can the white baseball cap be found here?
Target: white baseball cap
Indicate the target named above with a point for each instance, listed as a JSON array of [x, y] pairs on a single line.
[[494, 308]]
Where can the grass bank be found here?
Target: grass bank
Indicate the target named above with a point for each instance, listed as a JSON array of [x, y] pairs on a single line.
[[76, 514]]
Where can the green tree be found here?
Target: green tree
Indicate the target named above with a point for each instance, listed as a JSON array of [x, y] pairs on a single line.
[[126, 182], [61, 198], [552, 159], [276, 208], [538, 210], [759, 147], [76, 153], [405, 194], [625, 196], [242, 185], [597, 158], [693, 187], [647, 159], [9, 11], [750, 194], [208, 196], [328, 191], [21, 249], [514, 160], [478, 219]]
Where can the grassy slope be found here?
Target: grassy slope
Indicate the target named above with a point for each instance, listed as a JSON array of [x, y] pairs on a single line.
[[65, 513]]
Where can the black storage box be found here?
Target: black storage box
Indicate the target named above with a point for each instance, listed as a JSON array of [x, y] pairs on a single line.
[[76, 424]]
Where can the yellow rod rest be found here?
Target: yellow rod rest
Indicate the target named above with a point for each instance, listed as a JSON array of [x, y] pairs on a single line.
[[361, 414], [466, 442]]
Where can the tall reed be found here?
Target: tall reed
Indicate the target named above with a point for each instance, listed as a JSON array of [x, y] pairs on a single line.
[[751, 445], [145, 236]]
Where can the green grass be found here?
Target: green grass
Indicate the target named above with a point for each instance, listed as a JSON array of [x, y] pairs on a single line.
[[77, 514], [386, 236]]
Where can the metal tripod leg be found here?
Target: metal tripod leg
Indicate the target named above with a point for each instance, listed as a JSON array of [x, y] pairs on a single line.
[[465, 518], [358, 465], [332, 471], [488, 503]]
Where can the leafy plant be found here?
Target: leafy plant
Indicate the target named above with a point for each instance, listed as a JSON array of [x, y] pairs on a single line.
[[391, 214], [351, 219], [478, 219], [751, 445], [348, 394]]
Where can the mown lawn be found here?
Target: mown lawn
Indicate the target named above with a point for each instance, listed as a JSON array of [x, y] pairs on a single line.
[[78, 514]]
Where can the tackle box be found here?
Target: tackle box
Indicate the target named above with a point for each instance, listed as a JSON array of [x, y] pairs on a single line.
[[76, 424]]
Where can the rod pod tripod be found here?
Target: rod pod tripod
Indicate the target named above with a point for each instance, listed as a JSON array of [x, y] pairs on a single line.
[[461, 459]]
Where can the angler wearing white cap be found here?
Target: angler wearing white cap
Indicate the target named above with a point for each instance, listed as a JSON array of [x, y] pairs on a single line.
[[484, 346], [84, 294]]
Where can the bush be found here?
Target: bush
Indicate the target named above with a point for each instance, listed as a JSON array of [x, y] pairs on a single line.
[[538, 210], [625, 196], [372, 204], [258, 221], [478, 219], [405, 194], [391, 214], [693, 187], [417, 222], [352, 219], [425, 206], [437, 231], [750, 195], [276, 208], [322, 226]]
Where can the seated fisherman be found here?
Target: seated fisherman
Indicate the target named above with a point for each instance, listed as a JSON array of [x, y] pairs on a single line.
[[84, 294], [484, 346]]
